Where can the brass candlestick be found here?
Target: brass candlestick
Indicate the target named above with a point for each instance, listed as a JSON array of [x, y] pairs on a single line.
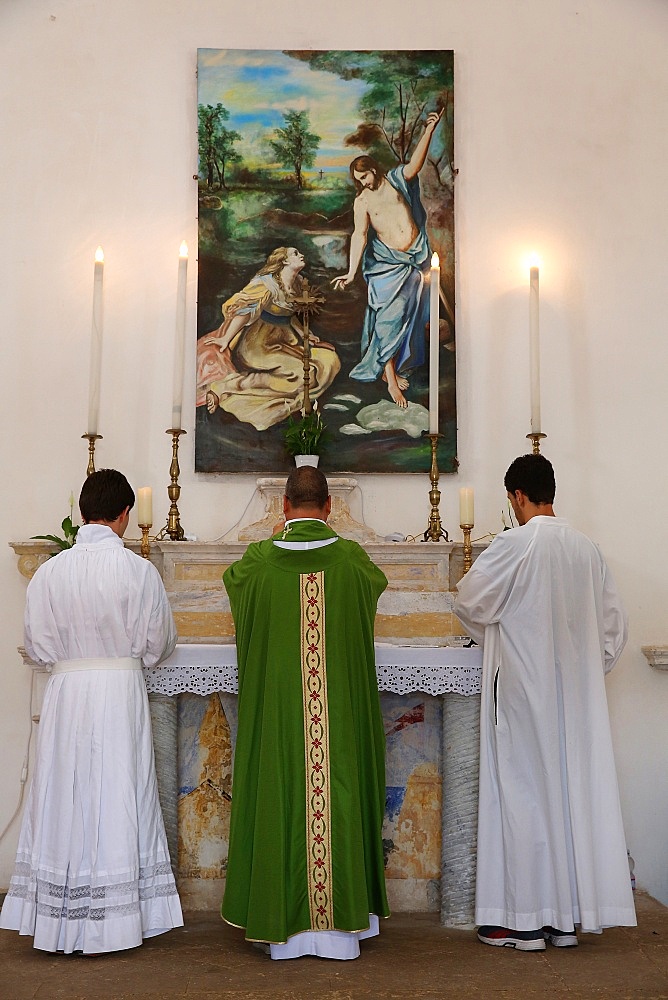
[[535, 439], [307, 303], [174, 529], [145, 544], [92, 438], [435, 530], [468, 548]]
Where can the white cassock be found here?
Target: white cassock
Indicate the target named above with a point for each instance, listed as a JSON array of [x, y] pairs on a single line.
[[92, 869], [551, 847]]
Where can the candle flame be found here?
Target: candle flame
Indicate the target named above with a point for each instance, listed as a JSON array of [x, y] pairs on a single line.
[[434, 260], [183, 249], [99, 256], [533, 260]]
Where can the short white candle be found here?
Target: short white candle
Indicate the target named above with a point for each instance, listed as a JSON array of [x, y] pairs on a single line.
[[434, 288], [95, 346], [179, 340], [145, 506], [534, 351], [466, 505]]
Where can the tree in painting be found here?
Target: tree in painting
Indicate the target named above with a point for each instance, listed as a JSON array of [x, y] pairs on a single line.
[[216, 143], [402, 87], [294, 145]]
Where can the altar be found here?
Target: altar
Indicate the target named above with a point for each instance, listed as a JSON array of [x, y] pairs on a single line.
[[428, 679], [438, 803]]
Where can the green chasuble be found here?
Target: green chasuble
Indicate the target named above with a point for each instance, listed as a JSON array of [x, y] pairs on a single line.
[[308, 790]]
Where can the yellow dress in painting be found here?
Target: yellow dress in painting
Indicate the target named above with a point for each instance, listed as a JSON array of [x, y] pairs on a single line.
[[260, 377]]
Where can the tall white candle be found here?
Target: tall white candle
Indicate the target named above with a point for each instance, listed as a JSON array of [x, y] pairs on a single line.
[[466, 506], [534, 351], [179, 340], [95, 346], [145, 506], [434, 287]]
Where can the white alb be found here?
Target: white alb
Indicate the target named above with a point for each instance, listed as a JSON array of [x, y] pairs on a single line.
[[551, 848], [93, 872]]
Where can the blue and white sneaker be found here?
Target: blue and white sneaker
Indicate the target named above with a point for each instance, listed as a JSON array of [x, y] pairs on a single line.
[[560, 939]]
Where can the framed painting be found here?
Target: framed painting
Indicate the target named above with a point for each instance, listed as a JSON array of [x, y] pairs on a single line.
[[326, 182]]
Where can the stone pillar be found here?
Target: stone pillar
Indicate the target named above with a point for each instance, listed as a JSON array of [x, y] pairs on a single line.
[[461, 741], [164, 724]]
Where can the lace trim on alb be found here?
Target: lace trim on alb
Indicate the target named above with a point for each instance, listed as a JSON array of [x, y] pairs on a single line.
[[85, 901]]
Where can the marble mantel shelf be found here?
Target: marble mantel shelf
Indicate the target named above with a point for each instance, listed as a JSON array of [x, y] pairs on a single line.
[[657, 656], [416, 609]]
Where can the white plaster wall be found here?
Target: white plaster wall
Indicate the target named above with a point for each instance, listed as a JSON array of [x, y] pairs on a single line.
[[562, 142]]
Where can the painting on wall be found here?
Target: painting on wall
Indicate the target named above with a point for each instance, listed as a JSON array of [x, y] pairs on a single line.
[[324, 178]]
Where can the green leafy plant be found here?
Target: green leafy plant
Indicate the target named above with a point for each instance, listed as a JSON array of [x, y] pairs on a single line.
[[69, 532], [305, 436]]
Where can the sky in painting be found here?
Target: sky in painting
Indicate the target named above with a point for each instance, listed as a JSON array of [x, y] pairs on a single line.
[[257, 87]]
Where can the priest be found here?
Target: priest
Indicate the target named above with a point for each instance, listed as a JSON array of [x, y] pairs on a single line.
[[551, 849], [93, 873], [305, 870]]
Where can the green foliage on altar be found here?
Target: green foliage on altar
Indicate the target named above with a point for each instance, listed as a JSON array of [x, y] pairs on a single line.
[[306, 436]]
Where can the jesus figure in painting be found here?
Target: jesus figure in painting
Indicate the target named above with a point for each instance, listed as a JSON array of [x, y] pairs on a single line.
[[390, 238]]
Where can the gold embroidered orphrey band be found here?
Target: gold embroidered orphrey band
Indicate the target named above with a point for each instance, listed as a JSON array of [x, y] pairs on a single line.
[[316, 746]]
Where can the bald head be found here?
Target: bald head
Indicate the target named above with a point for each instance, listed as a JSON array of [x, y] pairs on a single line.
[[307, 494]]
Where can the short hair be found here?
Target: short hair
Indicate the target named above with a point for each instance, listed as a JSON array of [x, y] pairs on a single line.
[[105, 495], [533, 475], [307, 487]]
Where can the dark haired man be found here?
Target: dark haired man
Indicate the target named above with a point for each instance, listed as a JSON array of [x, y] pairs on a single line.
[[93, 873], [551, 848], [390, 239], [305, 869]]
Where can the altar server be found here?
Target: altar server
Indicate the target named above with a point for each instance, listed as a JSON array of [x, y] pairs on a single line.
[[305, 870], [93, 873], [551, 848]]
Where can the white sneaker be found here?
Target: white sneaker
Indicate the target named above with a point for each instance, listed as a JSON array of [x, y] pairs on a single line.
[[560, 939]]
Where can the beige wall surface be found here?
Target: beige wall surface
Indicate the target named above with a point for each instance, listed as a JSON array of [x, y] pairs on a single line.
[[561, 146]]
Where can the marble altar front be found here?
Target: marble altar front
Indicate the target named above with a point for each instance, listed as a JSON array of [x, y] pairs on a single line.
[[200, 732]]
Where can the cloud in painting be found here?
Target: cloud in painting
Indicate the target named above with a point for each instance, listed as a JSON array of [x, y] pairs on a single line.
[[257, 88]]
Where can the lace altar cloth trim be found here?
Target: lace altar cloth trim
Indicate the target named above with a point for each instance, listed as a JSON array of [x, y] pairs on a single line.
[[436, 670]]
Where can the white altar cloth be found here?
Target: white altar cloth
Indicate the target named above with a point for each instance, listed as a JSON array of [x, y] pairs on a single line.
[[204, 668]]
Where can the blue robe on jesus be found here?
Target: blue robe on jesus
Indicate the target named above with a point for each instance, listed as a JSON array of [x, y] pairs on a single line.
[[398, 296]]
